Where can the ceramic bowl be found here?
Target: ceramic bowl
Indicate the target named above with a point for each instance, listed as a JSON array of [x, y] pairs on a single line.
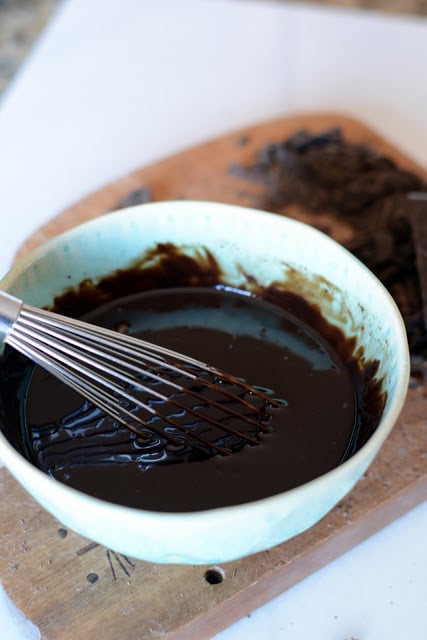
[[270, 247]]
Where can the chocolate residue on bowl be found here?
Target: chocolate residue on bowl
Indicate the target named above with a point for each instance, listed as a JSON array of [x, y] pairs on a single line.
[[163, 266], [323, 173]]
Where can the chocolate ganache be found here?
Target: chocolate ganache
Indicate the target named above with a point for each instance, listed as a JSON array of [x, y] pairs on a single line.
[[329, 404]]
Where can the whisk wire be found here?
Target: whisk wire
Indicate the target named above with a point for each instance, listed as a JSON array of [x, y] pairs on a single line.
[[131, 346], [90, 385], [78, 349], [107, 368], [132, 349]]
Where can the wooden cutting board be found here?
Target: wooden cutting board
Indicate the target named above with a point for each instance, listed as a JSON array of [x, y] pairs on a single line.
[[73, 588]]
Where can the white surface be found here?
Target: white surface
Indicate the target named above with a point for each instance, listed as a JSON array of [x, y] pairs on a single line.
[[375, 592], [112, 86], [13, 624]]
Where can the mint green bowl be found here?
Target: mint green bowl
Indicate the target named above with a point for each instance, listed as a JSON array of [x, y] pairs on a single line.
[[271, 248]]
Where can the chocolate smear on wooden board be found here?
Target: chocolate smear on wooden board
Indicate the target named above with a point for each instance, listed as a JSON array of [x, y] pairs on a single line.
[[134, 197], [352, 182]]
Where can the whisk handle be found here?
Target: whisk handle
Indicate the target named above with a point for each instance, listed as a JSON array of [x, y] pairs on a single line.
[[10, 308]]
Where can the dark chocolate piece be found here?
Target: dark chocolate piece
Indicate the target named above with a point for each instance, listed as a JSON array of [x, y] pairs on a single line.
[[418, 219]]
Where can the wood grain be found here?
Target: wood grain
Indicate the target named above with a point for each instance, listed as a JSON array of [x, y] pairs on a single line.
[[74, 588]]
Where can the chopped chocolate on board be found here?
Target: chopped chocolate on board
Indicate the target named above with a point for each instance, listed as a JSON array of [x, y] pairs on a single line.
[[324, 173]]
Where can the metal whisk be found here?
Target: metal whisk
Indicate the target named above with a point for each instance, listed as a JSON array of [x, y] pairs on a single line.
[[129, 378]]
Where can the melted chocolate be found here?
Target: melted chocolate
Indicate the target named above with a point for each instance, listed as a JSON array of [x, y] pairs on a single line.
[[331, 401]]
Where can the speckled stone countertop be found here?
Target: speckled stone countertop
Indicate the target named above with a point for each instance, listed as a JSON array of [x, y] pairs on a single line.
[[21, 22]]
